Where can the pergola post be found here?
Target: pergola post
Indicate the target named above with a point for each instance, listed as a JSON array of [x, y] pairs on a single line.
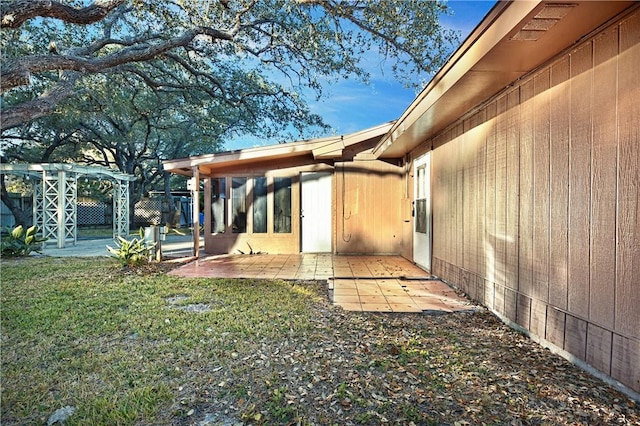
[[50, 207], [61, 208], [38, 203], [121, 208]]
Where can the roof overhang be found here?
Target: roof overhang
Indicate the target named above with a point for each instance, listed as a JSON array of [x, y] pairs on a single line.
[[513, 39], [321, 149]]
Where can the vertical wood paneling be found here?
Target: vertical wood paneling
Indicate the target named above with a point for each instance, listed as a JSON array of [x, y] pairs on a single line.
[[472, 155], [481, 135], [446, 193], [599, 343], [603, 183], [526, 188], [559, 182], [362, 227], [472, 160], [459, 212], [523, 315], [542, 205], [444, 161], [541, 189], [538, 317], [449, 186], [513, 188], [468, 205], [499, 299], [627, 316], [436, 195], [510, 303], [452, 196], [555, 327], [440, 203], [490, 200], [624, 362], [575, 336], [489, 294], [580, 180], [501, 192], [480, 293]]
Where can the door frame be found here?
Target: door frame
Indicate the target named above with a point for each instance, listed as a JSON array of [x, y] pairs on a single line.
[[422, 241]]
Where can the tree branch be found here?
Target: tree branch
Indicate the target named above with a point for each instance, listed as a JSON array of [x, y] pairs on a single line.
[[16, 13], [16, 74], [41, 106]]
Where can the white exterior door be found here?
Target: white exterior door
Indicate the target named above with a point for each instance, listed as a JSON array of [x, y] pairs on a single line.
[[315, 212], [422, 211]]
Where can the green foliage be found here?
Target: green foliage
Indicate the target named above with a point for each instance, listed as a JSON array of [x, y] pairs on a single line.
[[18, 243], [133, 252], [221, 71], [253, 61]]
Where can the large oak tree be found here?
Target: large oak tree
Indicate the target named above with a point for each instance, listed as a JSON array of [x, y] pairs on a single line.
[[130, 83], [50, 47]]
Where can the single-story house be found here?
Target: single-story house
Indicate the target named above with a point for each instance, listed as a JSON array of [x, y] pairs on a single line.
[[514, 175]]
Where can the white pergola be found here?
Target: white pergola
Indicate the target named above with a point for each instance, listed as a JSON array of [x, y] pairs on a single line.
[[55, 197]]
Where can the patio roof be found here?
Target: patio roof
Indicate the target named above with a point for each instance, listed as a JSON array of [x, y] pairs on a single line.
[[329, 148]]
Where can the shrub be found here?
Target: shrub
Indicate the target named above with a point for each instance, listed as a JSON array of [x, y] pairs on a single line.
[[18, 243], [134, 252]]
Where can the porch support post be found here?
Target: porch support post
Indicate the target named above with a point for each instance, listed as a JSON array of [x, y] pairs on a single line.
[[195, 209]]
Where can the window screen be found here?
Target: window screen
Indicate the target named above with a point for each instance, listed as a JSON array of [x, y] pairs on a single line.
[[282, 205], [218, 205], [260, 205], [239, 204]]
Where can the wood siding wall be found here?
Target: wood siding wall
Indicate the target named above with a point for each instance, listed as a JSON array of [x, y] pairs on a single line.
[[535, 202], [269, 242], [368, 211], [366, 207]]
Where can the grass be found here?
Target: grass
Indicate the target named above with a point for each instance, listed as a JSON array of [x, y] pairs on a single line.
[[129, 347], [81, 333]]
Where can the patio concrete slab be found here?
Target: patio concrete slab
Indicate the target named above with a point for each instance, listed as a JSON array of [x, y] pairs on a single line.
[[356, 283]]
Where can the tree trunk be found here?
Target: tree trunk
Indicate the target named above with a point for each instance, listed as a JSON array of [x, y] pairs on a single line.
[[20, 216], [170, 215]]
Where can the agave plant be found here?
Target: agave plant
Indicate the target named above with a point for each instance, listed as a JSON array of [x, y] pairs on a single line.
[[134, 252], [18, 242]]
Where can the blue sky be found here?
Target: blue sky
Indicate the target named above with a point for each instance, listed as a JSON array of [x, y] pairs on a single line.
[[349, 106]]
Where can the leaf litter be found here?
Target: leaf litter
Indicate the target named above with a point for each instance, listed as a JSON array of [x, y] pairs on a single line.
[[371, 368], [280, 353]]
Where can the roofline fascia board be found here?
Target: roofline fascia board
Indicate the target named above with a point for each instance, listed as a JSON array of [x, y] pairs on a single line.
[[286, 150], [334, 150], [479, 43]]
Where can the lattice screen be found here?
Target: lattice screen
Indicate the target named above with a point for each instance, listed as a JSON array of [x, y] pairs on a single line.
[[121, 209], [148, 211], [94, 213], [59, 207]]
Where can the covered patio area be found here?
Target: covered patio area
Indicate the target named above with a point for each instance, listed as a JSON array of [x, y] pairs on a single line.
[[356, 283]]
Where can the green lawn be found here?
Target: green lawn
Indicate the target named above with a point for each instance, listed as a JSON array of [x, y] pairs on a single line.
[[142, 347]]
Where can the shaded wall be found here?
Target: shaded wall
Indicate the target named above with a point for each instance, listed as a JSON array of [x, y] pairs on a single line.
[[535, 202], [269, 242], [365, 207], [368, 209]]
